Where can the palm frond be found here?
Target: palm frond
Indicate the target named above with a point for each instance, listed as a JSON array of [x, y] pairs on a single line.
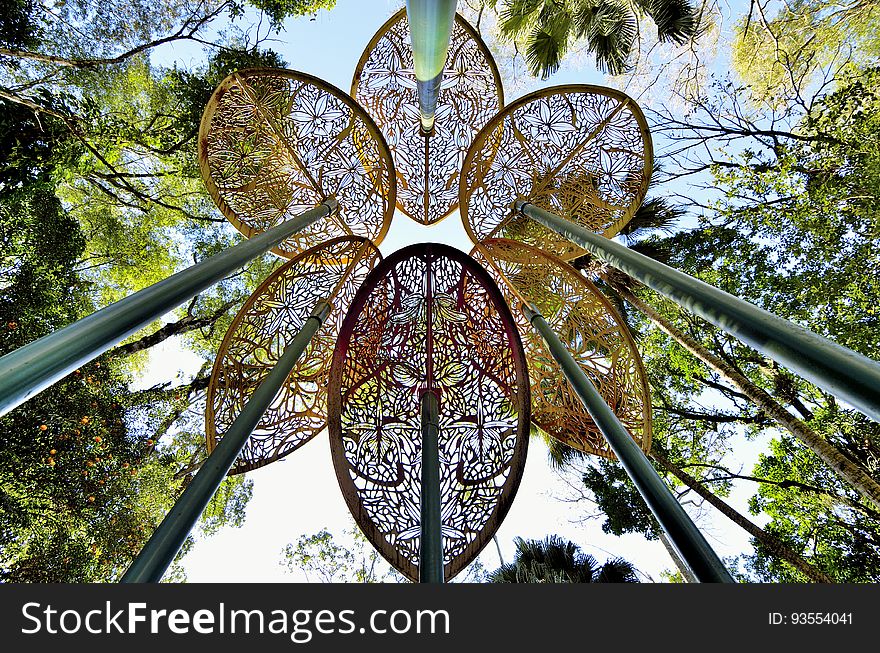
[[610, 32], [617, 570], [676, 20], [548, 43], [560, 454], [557, 560], [659, 250], [655, 214], [518, 16]]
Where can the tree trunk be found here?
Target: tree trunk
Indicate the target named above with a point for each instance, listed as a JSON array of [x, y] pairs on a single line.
[[184, 325], [774, 545], [685, 571], [831, 455]]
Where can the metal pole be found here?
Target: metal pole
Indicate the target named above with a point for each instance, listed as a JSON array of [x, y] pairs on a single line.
[[431, 551], [840, 371], [34, 367], [166, 541], [685, 536], [430, 28]]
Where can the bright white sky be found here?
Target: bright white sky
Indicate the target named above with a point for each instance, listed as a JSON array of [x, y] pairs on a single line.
[[300, 495]]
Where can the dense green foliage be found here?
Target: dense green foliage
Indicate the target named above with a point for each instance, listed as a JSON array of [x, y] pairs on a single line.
[[100, 195]]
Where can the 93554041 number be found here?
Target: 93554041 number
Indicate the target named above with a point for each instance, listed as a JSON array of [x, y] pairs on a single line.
[[809, 618]]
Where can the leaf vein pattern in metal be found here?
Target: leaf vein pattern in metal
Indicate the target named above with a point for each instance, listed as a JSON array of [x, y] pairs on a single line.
[[275, 143], [593, 332], [582, 152], [266, 323], [385, 85], [382, 363]]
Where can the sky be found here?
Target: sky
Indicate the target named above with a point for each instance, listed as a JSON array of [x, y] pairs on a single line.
[[300, 495]]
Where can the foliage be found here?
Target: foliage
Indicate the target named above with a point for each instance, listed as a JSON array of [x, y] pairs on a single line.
[[843, 540], [556, 560], [17, 28], [354, 560], [802, 44], [278, 10], [548, 29], [624, 508], [320, 555]]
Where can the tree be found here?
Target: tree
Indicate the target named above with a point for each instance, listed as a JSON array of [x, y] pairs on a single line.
[[556, 560], [782, 49], [708, 253], [320, 555], [547, 29], [842, 538], [278, 10], [352, 561], [84, 480]]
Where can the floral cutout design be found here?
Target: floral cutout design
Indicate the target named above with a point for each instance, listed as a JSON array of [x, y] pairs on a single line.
[[275, 143], [582, 152], [428, 319], [265, 324], [470, 94]]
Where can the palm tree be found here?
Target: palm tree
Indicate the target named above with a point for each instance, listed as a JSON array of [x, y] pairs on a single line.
[[548, 28], [556, 560]]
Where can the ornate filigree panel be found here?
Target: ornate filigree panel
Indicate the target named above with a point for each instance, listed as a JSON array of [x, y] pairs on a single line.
[[274, 143], [582, 152], [268, 321], [593, 332], [428, 317], [385, 85]]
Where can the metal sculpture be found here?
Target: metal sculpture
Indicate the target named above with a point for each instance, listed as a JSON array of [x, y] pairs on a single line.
[[36, 366], [682, 531], [430, 26], [428, 323], [593, 333], [273, 142], [386, 85], [163, 545], [582, 151], [839, 371], [252, 346]]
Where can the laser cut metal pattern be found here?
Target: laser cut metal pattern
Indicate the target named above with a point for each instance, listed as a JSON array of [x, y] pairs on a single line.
[[582, 152], [385, 85], [428, 317], [593, 332], [267, 322], [274, 143]]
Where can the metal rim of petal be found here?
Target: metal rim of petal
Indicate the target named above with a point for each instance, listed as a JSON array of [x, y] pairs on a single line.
[[490, 138], [519, 404], [348, 222], [425, 215], [569, 434], [284, 445]]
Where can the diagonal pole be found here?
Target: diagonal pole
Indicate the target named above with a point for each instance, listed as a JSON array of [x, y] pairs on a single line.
[[159, 551], [683, 533], [837, 370], [430, 28], [36, 366]]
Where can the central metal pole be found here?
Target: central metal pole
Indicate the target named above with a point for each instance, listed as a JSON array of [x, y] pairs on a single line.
[[431, 551], [34, 367], [160, 550], [837, 370], [430, 29], [683, 533]]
